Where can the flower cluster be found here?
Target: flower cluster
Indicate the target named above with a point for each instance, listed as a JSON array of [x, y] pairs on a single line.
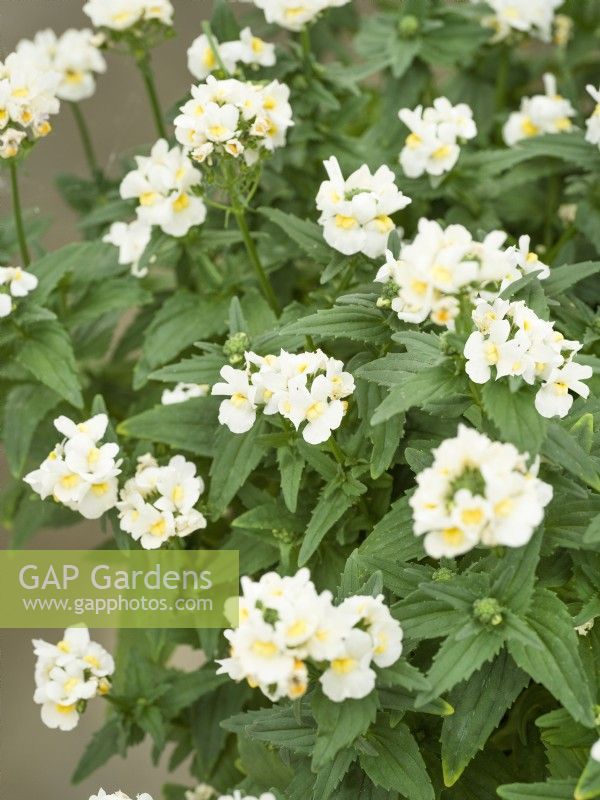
[[102, 795], [157, 504], [534, 17], [304, 388], [248, 49], [75, 56], [592, 124], [19, 283], [182, 392], [80, 472], [234, 117], [512, 340], [164, 186], [540, 114], [355, 211], [284, 622], [67, 675], [432, 145], [291, 14], [238, 795], [477, 492], [440, 264], [27, 99], [202, 792], [120, 15]]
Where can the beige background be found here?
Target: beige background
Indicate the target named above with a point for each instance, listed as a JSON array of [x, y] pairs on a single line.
[[36, 763]]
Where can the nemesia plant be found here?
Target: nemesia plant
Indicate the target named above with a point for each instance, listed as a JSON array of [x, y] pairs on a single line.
[[284, 623], [374, 378], [69, 674], [432, 145], [102, 795]]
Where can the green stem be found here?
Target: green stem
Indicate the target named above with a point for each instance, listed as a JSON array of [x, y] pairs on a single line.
[[18, 214], [263, 280], [502, 78], [337, 451], [86, 141], [305, 42], [214, 46], [146, 72], [554, 251]]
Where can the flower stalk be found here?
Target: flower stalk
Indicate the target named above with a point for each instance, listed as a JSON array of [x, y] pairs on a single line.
[[18, 213], [88, 147]]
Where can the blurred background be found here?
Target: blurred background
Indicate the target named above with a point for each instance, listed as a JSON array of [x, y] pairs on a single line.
[[35, 762]]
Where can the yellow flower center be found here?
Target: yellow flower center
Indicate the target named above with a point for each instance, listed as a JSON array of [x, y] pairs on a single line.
[[70, 481], [561, 388], [491, 353], [264, 649], [148, 198], [472, 516], [343, 666], [453, 536], [314, 411], [100, 489], [346, 223], [503, 507], [298, 628], [158, 528], [383, 223], [177, 494], [181, 203], [529, 128], [208, 58], [239, 399], [442, 152], [413, 140]]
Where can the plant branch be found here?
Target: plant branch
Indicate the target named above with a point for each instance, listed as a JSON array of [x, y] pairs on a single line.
[[18, 214], [86, 141]]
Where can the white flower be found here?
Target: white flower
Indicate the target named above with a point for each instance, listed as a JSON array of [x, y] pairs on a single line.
[[512, 340], [534, 17], [102, 795], [255, 50], [432, 145], [157, 504], [5, 305], [349, 675], [239, 412], [28, 97], [132, 239], [284, 623], [119, 15], [293, 15], [10, 141], [19, 282], [163, 183], [553, 399], [182, 392], [79, 473], [540, 114], [477, 492], [314, 406], [248, 49], [595, 751], [69, 674], [202, 792], [234, 117], [355, 212], [592, 124], [74, 56]]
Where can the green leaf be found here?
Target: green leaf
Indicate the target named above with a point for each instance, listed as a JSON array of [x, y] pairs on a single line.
[[513, 578], [562, 278], [397, 763], [592, 533], [105, 743], [515, 416], [263, 764], [236, 457], [329, 777], [556, 664], [331, 506], [186, 426], [88, 261], [551, 790], [110, 295], [360, 323], [197, 369], [457, 659], [339, 724], [565, 451], [291, 466], [307, 235], [182, 320], [422, 388], [26, 406], [588, 785], [187, 688], [47, 353], [479, 705]]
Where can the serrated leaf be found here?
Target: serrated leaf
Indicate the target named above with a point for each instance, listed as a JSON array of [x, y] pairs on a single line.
[[47, 353], [479, 705], [26, 406], [307, 235], [588, 785], [434, 383], [457, 659], [236, 457], [339, 724], [551, 790], [187, 426], [562, 278], [88, 261], [515, 416], [105, 743], [331, 506], [565, 451], [355, 322], [291, 466], [397, 764], [556, 664]]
